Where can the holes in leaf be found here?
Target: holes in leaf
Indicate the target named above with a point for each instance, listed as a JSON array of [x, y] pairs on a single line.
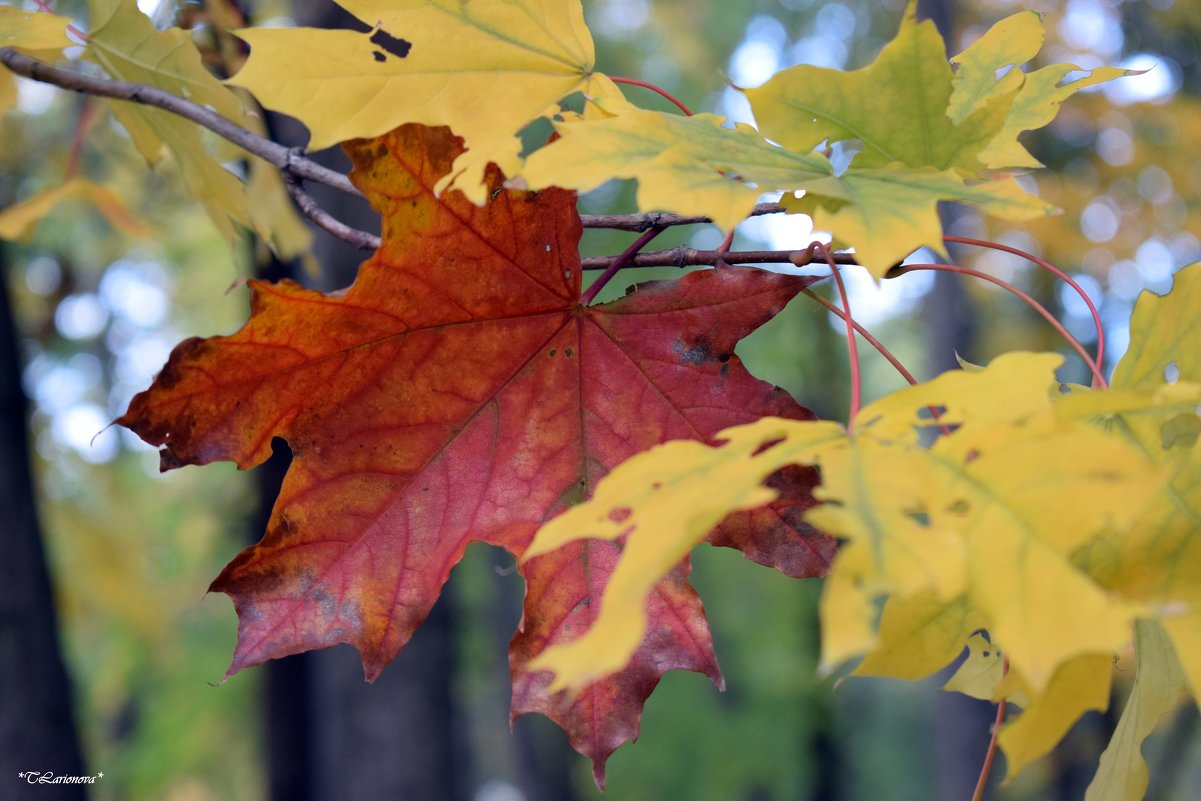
[[1171, 373], [386, 41]]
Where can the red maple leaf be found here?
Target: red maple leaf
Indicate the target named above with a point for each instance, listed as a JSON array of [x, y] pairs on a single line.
[[459, 392]]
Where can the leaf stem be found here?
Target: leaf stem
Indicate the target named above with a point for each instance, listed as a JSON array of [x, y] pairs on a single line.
[[1063, 276], [863, 332], [621, 261], [658, 89], [1098, 378], [991, 753], [823, 250]]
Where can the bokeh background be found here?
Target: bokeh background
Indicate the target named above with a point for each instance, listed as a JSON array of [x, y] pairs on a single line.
[[89, 315]]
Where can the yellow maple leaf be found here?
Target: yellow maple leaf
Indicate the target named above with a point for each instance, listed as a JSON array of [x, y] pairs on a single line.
[[127, 45], [486, 69], [994, 509], [1011, 42], [688, 165], [1079, 685], [1158, 684], [981, 672], [1036, 104]]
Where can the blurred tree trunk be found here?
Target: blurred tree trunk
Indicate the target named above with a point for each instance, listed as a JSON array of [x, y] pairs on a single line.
[[37, 729], [329, 733], [961, 724]]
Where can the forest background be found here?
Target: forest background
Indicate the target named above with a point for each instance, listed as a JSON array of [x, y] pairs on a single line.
[[92, 311]]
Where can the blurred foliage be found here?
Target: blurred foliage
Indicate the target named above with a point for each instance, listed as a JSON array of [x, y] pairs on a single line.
[[132, 552]]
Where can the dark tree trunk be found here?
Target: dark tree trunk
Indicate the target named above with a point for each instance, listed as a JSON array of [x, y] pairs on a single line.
[[37, 729]]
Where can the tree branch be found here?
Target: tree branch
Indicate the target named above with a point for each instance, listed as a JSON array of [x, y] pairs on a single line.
[[684, 256], [287, 160], [326, 221], [295, 167], [645, 222]]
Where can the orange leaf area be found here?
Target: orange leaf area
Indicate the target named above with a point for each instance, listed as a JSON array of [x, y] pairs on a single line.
[[459, 392]]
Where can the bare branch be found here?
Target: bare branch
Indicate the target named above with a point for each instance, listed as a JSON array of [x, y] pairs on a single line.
[[645, 222], [285, 159], [683, 256], [296, 167], [326, 221]]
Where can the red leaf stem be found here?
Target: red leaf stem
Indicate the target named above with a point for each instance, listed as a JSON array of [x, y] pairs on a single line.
[[863, 332], [823, 250], [991, 753], [963, 240], [657, 89], [1098, 378], [621, 261]]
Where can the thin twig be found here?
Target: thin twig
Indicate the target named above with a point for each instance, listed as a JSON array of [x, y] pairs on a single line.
[[991, 753], [326, 221], [863, 332], [617, 264], [1060, 274], [1029, 301], [823, 250], [656, 89], [660, 219], [285, 159], [684, 256]]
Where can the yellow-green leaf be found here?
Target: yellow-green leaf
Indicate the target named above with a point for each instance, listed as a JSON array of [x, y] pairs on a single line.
[[1158, 683], [1079, 685], [688, 165], [888, 212], [17, 221], [1000, 503], [1011, 42], [981, 672], [485, 68], [1164, 329], [1036, 104], [896, 106], [127, 45]]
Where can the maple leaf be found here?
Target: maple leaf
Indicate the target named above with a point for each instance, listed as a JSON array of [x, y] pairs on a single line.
[[1158, 686], [126, 44], [1011, 42], [994, 508], [909, 106], [486, 69], [696, 166], [459, 392]]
